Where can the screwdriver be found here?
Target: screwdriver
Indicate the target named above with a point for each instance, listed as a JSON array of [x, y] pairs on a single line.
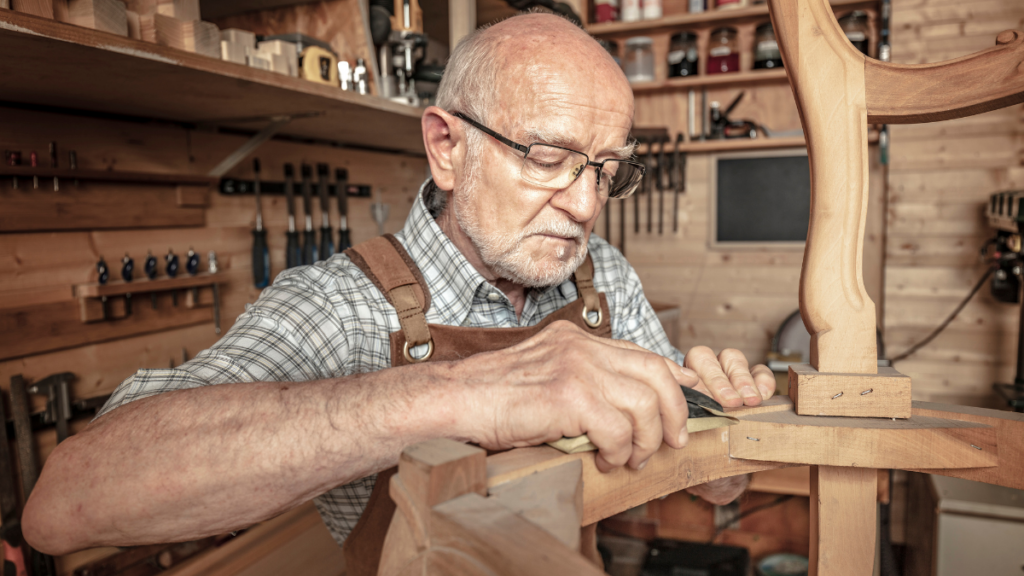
[[636, 195], [326, 236], [260, 252], [53, 164], [309, 238], [293, 255], [34, 162], [341, 185]]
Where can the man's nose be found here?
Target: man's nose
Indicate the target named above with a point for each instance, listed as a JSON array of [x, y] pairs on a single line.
[[580, 199]]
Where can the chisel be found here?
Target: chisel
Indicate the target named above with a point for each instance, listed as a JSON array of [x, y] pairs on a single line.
[[341, 184], [636, 195], [661, 184], [53, 164], [650, 184], [678, 167], [260, 252], [309, 237], [293, 254], [326, 236]]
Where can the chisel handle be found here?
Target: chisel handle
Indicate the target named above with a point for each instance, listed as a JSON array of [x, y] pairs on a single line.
[[260, 259], [309, 247], [344, 242], [293, 254], [326, 243]]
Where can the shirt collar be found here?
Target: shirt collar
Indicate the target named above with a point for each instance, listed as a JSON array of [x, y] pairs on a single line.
[[453, 281]]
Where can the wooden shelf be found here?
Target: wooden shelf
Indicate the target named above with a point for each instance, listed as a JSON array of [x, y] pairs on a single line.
[[68, 66], [107, 175], [710, 17], [728, 79], [144, 286]]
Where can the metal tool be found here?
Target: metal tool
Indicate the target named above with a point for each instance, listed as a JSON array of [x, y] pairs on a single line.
[[649, 182], [379, 211], [260, 251], [639, 192], [73, 163], [359, 78], [102, 275], [149, 267], [56, 388], [34, 162], [53, 164], [309, 251], [662, 171], [171, 269], [28, 463], [679, 186], [211, 258], [341, 186], [293, 254], [10, 520], [13, 158], [127, 274], [323, 172], [192, 267]]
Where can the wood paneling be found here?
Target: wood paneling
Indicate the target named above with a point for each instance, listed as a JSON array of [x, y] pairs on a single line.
[[940, 177]]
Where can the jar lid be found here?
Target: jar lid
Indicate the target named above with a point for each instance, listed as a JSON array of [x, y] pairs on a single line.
[[684, 37], [639, 41], [855, 15], [725, 30], [766, 27]]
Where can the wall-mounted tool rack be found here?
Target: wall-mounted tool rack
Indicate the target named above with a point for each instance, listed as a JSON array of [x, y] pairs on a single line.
[[68, 176], [93, 308], [236, 187]]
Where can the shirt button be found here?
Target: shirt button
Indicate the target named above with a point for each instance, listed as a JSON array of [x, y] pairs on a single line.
[[494, 296]]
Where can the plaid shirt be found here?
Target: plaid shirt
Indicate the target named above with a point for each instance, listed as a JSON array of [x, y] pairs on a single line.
[[328, 320]]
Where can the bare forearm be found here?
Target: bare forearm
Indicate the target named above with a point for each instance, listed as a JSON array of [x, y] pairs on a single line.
[[191, 463]]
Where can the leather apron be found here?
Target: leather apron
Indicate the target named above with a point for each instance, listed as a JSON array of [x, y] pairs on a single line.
[[386, 263]]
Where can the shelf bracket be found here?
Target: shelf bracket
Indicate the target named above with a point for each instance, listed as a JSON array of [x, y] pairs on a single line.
[[232, 160]]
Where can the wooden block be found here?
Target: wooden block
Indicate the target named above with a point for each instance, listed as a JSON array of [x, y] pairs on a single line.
[[551, 499], [187, 10], [134, 25], [193, 36], [237, 45], [283, 56], [5, 4], [882, 395], [103, 15], [42, 8], [864, 442]]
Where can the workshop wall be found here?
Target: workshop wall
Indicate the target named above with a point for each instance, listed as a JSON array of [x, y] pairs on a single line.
[[39, 267], [940, 177]]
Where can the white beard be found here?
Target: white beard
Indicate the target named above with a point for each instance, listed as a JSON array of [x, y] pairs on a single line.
[[505, 254]]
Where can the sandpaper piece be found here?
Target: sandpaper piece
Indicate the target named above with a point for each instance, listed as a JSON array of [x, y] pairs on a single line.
[[705, 414]]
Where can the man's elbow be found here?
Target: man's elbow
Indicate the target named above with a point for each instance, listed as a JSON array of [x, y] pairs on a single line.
[[46, 522]]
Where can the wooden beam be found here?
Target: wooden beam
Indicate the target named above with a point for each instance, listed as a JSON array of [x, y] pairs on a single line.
[[461, 20], [843, 513]]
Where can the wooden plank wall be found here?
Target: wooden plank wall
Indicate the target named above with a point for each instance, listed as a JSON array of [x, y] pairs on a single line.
[[40, 267], [940, 176]]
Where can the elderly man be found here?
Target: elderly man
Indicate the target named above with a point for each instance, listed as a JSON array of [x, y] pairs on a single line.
[[469, 324]]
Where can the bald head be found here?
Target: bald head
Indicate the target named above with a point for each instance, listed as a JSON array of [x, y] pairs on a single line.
[[497, 69]]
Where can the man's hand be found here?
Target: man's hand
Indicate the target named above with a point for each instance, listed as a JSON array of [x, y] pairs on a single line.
[[565, 382], [728, 377]]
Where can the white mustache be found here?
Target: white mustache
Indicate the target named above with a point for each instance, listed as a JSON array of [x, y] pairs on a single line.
[[562, 229]]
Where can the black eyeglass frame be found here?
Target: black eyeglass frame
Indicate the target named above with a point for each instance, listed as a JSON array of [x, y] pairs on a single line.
[[599, 166]]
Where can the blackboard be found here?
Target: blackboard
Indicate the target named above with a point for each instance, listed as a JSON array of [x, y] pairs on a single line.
[[762, 199]]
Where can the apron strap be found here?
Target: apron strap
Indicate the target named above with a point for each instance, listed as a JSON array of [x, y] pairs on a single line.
[[584, 278], [386, 263]]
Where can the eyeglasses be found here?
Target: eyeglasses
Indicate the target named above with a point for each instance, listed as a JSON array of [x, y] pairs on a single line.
[[555, 167]]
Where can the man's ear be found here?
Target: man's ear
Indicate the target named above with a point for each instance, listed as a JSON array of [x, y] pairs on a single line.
[[441, 141]]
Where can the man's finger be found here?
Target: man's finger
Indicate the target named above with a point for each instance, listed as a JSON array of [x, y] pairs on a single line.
[[651, 370], [704, 362], [736, 368], [765, 380]]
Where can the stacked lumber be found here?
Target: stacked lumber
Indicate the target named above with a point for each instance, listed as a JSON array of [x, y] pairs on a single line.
[[174, 23], [104, 15]]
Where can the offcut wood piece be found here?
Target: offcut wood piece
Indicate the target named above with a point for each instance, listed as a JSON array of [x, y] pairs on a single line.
[[283, 56], [192, 36], [237, 45], [829, 394], [842, 521], [103, 15], [187, 10], [42, 8]]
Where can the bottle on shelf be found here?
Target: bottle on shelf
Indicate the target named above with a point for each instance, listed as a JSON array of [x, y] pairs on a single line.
[[639, 64], [652, 9], [723, 55], [697, 6], [683, 57], [606, 11], [631, 11], [766, 48]]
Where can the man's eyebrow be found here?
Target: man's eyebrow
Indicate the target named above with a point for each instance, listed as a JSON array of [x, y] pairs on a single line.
[[532, 135]]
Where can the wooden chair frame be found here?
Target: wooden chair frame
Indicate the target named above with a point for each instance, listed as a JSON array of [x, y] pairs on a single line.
[[519, 512]]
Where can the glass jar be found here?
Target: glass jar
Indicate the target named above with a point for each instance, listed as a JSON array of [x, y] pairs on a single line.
[[639, 59], [723, 55], [683, 57], [766, 48], [855, 25]]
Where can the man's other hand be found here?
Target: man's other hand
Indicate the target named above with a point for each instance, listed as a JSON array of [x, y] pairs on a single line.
[[729, 378]]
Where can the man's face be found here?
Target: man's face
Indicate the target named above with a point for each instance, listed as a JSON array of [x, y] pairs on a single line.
[[531, 235]]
